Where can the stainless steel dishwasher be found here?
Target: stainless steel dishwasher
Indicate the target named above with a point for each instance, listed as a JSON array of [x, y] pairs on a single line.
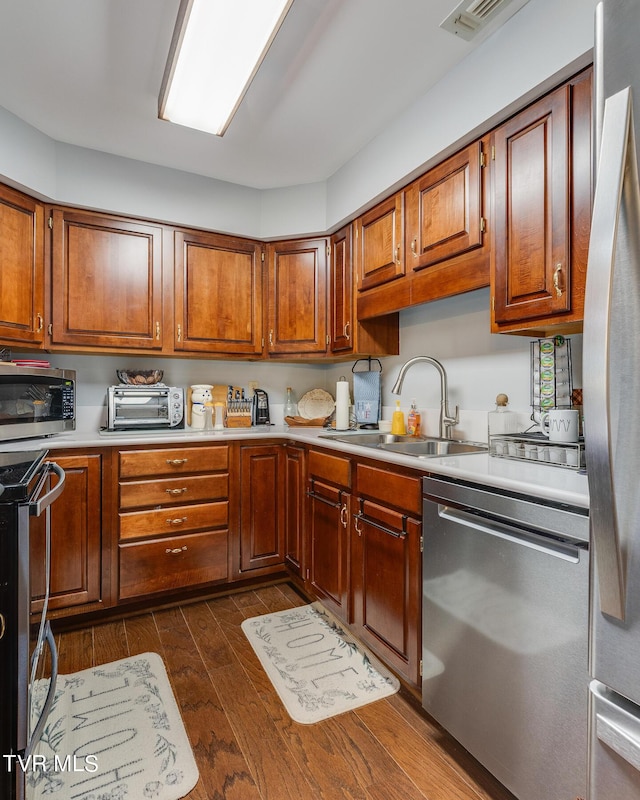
[[505, 633]]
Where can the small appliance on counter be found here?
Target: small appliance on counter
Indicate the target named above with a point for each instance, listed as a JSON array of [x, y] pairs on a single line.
[[144, 403], [260, 408], [36, 401]]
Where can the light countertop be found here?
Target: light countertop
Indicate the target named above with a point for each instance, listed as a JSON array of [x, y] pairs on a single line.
[[542, 481]]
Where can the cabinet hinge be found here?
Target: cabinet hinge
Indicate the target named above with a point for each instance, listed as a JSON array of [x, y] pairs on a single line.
[[328, 251], [493, 152], [422, 544], [420, 668], [482, 159], [307, 573], [51, 222], [493, 303], [483, 225], [262, 256]]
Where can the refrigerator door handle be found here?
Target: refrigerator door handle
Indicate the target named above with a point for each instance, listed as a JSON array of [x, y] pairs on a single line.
[[619, 740], [614, 247]]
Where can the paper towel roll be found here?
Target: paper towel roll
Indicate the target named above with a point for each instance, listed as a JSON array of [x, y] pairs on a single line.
[[342, 405]]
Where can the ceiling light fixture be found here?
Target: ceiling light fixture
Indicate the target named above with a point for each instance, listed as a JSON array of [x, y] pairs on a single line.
[[216, 50]]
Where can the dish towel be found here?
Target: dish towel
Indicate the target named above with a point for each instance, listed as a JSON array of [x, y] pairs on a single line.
[[367, 395]]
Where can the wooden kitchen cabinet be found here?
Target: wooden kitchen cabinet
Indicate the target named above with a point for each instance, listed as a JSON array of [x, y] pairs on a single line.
[[295, 460], [173, 519], [217, 294], [386, 566], [378, 336], [262, 508], [21, 269], [106, 282], [76, 538], [380, 243], [542, 207], [328, 486], [297, 297], [446, 238]]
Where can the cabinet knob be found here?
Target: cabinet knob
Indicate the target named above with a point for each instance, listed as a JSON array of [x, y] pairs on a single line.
[[176, 521], [175, 462], [176, 491], [175, 551], [556, 280]]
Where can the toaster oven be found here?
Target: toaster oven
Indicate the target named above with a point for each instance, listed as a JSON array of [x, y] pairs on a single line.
[[145, 407]]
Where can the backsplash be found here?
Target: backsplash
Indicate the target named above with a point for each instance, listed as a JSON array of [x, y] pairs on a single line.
[[455, 331]]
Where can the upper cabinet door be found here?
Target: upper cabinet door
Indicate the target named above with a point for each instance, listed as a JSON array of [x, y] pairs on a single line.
[[21, 268], [342, 324], [218, 294], [531, 243], [297, 296], [107, 282], [444, 210], [379, 243]]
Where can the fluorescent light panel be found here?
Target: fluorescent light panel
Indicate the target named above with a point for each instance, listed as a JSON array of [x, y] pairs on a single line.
[[217, 48]]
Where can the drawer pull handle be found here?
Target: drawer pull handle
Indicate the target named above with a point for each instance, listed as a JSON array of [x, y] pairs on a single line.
[[176, 491], [344, 516], [176, 521], [556, 280], [175, 462], [175, 551], [2, 625]]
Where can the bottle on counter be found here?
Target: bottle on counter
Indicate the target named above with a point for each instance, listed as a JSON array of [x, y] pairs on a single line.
[[413, 420], [290, 406], [502, 420], [398, 428]]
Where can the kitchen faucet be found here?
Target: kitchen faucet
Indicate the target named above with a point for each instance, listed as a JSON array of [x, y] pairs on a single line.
[[446, 420]]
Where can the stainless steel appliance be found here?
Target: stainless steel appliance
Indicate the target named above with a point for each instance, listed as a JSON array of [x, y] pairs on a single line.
[[144, 407], [36, 401], [260, 409], [26, 491], [505, 633], [611, 386]]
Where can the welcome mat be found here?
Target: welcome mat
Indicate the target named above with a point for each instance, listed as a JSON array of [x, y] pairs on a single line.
[[316, 667], [114, 733]]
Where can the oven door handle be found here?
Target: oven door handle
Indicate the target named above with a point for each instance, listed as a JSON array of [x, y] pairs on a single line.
[[51, 692], [36, 507]]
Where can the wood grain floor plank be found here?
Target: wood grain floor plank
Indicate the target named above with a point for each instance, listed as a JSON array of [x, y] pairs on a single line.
[[75, 651], [210, 640], [453, 753], [142, 635], [275, 599], [224, 772], [109, 642]]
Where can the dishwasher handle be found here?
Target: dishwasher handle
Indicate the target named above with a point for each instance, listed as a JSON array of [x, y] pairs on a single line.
[[494, 527]]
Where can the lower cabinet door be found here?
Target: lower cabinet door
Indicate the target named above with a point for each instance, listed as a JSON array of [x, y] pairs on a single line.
[[261, 507], [329, 546], [386, 586], [76, 562], [176, 562]]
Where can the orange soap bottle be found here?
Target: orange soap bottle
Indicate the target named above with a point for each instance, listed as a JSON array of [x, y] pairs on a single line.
[[413, 420]]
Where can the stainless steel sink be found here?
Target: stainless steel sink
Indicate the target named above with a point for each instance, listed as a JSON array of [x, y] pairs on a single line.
[[417, 446]]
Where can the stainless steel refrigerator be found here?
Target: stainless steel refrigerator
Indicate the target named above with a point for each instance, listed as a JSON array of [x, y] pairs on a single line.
[[611, 347]]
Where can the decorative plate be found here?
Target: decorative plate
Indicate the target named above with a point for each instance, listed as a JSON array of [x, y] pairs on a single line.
[[316, 403]]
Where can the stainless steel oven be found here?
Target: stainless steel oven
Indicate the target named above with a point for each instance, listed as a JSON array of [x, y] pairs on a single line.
[[35, 401], [25, 491], [145, 407]]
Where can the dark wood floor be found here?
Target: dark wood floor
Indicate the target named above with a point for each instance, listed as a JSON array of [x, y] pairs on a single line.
[[245, 744]]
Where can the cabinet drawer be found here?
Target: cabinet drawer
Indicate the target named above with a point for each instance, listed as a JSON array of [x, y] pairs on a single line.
[[172, 563], [173, 519], [331, 468], [168, 491], [174, 460], [400, 491]]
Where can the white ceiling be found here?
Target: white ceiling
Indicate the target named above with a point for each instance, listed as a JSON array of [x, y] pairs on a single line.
[[88, 73]]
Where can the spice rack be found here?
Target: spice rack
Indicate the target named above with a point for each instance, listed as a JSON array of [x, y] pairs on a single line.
[[536, 448]]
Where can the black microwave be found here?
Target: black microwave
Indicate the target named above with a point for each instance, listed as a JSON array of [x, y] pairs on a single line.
[[36, 401]]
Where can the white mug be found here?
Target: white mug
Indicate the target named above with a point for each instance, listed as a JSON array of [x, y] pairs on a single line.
[[560, 424]]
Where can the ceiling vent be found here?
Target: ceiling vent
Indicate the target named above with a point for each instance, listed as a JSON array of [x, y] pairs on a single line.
[[468, 18]]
